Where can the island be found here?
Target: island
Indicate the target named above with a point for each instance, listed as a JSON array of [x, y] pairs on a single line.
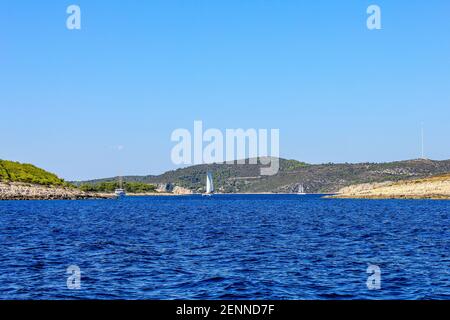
[[415, 179], [22, 181]]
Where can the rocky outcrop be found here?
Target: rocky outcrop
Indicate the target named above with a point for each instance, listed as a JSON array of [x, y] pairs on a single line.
[[181, 191], [164, 187], [26, 191], [173, 189], [437, 187]]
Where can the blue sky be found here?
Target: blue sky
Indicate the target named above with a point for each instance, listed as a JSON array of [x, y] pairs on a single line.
[[137, 70]]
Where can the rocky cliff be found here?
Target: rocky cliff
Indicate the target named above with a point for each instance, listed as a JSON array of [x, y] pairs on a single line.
[[437, 187], [27, 191]]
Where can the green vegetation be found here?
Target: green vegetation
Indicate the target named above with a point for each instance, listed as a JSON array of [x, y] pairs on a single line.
[[227, 177], [22, 172], [131, 187], [321, 178], [291, 165]]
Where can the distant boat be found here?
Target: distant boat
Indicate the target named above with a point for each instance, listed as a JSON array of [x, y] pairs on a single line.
[[301, 190], [120, 192], [209, 185]]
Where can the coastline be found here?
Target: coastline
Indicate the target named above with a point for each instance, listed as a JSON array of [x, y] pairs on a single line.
[[155, 194], [433, 188], [28, 191], [393, 197]]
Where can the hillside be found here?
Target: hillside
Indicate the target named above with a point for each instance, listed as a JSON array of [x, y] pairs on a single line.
[[436, 187], [19, 181], [22, 172], [317, 178]]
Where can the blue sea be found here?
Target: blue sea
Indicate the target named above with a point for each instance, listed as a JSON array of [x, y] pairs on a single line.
[[225, 247]]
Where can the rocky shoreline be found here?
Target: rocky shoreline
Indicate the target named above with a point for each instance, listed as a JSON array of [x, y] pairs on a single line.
[[27, 191], [437, 187]]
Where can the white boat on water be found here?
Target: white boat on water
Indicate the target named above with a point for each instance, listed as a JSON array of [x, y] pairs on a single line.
[[209, 185], [301, 190], [120, 192]]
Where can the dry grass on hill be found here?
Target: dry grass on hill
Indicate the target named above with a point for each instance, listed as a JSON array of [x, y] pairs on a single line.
[[436, 187]]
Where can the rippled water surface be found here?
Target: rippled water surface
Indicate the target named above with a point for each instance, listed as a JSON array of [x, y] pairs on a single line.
[[225, 247]]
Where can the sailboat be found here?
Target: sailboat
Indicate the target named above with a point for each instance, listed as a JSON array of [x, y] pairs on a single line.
[[209, 185], [120, 192], [301, 190]]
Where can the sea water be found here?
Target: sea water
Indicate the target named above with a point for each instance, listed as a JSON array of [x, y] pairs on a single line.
[[225, 247]]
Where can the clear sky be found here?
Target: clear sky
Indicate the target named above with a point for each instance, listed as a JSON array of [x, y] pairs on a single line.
[[137, 70]]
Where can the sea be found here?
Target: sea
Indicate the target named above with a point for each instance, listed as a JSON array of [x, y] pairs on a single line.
[[278, 247]]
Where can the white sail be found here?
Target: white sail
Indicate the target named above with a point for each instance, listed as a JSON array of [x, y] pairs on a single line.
[[301, 189], [209, 183]]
